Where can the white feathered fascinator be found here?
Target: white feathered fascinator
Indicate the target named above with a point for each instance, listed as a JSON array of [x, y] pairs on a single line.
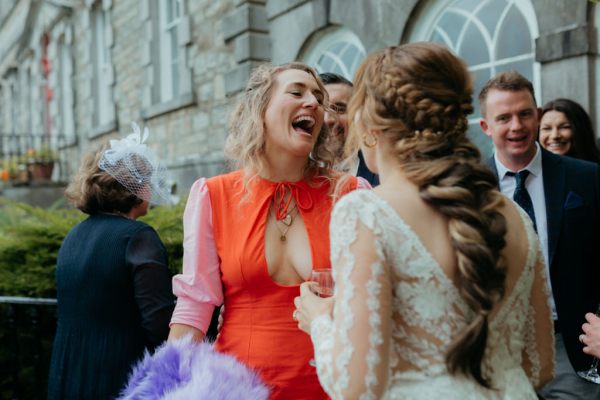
[[137, 168]]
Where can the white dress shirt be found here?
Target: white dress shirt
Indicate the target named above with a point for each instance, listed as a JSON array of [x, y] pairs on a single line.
[[535, 187]]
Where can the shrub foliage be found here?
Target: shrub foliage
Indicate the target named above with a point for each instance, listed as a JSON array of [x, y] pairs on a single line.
[[30, 238]]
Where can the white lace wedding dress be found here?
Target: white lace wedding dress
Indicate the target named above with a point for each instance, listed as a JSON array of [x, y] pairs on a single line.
[[395, 317]]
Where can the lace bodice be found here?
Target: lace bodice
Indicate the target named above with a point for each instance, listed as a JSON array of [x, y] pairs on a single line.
[[397, 312]]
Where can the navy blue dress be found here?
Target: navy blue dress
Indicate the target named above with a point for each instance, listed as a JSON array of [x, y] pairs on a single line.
[[114, 301]]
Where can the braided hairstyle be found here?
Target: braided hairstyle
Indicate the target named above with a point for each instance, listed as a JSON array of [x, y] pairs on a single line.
[[418, 95]]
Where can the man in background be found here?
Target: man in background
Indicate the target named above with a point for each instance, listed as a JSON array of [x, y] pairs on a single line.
[[561, 195], [336, 118]]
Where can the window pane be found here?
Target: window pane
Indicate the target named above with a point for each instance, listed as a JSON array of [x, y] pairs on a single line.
[[338, 70], [349, 55], [452, 23], [480, 78], [437, 37], [473, 48], [524, 67], [174, 63], [326, 63], [358, 57], [174, 48], [169, 6], [514, 38], [337, 47], [468, 5], [489, 14]]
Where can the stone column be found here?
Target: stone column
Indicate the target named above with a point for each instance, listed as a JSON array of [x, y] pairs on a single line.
[[246, 27]]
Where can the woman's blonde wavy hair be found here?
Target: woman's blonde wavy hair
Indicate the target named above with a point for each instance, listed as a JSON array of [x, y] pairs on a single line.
[[419, 95], [245, 145]]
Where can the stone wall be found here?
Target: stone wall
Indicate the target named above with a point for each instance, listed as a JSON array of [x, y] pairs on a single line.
[[228, 38]]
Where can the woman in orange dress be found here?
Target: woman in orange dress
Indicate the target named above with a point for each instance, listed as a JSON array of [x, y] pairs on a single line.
[[253, 235]]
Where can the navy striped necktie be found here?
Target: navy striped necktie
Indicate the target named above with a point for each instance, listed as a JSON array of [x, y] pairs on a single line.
[[521, 195]]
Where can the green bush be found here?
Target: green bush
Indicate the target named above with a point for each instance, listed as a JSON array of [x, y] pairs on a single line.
[[30, 238]]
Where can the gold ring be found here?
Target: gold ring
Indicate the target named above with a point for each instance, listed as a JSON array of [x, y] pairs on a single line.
[[295, 315]]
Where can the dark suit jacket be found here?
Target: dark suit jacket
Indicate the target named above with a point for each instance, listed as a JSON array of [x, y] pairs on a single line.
[[572, 193], [364, 172]]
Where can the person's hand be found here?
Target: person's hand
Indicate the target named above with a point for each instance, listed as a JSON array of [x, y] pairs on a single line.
[[591, 337], [309, 306]]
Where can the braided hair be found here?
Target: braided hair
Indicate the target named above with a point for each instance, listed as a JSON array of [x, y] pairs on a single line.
[[419, 95]]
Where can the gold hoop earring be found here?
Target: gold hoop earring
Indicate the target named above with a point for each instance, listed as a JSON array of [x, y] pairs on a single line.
[[365, 140]]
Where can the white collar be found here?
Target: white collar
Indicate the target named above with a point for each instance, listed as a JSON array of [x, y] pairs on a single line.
[[534, 167]]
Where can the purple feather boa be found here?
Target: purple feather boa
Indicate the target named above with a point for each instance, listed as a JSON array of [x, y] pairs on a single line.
[[184, 369]]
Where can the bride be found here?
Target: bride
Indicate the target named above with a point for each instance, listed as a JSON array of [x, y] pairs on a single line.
[[440, 283]]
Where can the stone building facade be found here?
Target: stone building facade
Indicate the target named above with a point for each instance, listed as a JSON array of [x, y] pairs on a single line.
[[77, 72]]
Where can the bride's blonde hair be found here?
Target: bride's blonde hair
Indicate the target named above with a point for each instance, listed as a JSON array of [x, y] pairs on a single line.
[[419, 95]]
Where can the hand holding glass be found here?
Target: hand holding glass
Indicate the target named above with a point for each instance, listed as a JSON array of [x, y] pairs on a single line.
[[592, 373], [324, 279]]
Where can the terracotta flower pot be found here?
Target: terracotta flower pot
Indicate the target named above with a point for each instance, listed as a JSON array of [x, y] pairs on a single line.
[[41, 171]]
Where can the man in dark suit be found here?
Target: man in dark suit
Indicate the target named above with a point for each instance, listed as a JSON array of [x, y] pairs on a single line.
[[340, 91], [562, 197]]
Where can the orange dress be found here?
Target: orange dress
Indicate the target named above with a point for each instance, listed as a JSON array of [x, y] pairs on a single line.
[[258, 328]]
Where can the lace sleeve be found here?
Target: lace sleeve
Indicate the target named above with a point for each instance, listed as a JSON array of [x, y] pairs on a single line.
[[538, 353], [352, 346]]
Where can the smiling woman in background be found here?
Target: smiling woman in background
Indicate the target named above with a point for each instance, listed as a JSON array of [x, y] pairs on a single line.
[[566, 129]]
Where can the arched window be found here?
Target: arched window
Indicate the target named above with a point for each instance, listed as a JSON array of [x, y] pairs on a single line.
[[334, 50], [490, 35]]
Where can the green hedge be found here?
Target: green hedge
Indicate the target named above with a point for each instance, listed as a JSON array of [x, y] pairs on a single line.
[[30, 238]]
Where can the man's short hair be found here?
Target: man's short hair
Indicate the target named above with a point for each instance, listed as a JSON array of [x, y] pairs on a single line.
[[331, 78], [511, 81]]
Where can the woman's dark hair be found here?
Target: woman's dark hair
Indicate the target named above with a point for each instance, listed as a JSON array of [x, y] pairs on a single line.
[[331, 78], [94, 191], [583, 144], [419, 95]]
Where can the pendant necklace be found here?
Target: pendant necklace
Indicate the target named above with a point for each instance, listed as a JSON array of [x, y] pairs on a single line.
[[288, 220]]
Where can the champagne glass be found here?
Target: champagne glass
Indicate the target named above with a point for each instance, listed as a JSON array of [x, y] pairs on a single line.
[[324, 280], [592, 373]]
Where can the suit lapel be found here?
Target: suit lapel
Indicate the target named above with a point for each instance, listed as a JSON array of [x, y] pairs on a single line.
[[554, 193], [491, 164]]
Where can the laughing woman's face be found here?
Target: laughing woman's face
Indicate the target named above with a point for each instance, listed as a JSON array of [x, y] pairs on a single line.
[[294, 116]]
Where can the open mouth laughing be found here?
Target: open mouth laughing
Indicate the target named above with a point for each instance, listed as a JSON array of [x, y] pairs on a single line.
[[304, 124]]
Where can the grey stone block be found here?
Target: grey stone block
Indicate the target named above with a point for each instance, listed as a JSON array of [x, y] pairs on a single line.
[[278, 7], [252, 46], [564, 44], [244, 18], [236, 79], [240, 2], [289, 31]]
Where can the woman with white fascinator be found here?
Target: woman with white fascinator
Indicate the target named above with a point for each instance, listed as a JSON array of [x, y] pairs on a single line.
[[113, 285]]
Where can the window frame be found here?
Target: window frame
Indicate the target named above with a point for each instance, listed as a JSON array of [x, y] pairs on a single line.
[[429, 13], [322, 43], [65, 88]]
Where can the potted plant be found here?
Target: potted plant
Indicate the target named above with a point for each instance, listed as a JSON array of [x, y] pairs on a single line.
[[17, 170], [40, 163]]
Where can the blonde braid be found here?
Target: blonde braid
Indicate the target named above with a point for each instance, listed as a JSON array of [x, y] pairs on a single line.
[[419, 96]]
